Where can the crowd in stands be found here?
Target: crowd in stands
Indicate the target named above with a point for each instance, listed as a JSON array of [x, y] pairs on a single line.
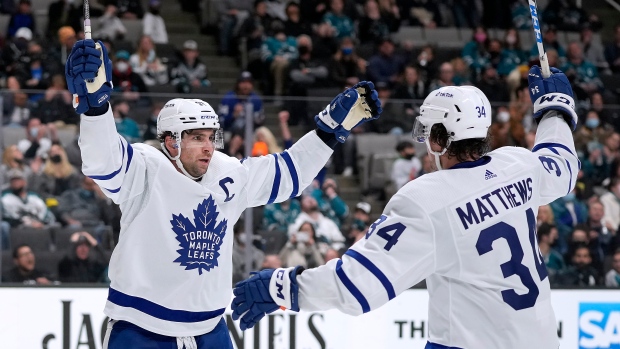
[[294, 50]]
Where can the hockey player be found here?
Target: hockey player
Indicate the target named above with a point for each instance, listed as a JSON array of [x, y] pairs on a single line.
[[171, 271], [468, 229]]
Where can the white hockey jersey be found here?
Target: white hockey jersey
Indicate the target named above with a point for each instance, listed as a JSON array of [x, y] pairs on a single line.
[[470, 231], [171, 271]]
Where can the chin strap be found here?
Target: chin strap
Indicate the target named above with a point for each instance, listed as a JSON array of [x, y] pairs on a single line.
[[436, 155], [177, 160]]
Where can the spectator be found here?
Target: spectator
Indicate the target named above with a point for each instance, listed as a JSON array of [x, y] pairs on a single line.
[[358, 231], [23, 18], [272, 261], [338, 20], [264, 135], [22, 208], [109, 26], [550, 42], [153, 24], [305, 72], [411, 88], [56, 105], [612, 51], [86, 207], [580, 272], [599, 235], [372, 26], [597, 165], [492, 86], [190, 72], [85, 262], [18, 113], [495, 52], [591, 131], [609, 117], [254, 29], [511, 55], [278, 51], [324, 41], [611, 203], [239, 254], [66, 39], [593, 51], [393, 121], [37, 143], [150, 132], [568, 212], [462, 75], [521, 17], [295, 25], [232, 14], [390, 12], [279, 216], [612, 278], [445, 78], [583, 74], [25, 270], [565, 15], [14, 52], [127, 9], [326, 230], [12, 158], [33, 73], [427, 166], [125, 126], [521, 110], [233, 107], [62, 13], [301, 249], [330, 203], [475, 52], [547, 234], [346, 63], [407, 166], [386, 65], [125, 80], [545, 216], [146, 63], [57, 175]]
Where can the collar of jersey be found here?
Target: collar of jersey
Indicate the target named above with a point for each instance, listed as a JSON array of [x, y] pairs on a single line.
[[470, 164]]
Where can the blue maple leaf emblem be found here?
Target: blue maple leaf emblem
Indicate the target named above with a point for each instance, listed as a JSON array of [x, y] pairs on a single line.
[[201, 239]]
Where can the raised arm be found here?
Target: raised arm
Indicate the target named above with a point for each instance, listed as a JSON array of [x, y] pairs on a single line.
[[555, 148], [370, 273], [278, 177]]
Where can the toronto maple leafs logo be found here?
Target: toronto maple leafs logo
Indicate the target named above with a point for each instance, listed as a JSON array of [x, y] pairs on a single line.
[[201, 239]]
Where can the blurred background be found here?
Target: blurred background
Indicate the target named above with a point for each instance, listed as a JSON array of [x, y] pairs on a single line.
[[270, 66]]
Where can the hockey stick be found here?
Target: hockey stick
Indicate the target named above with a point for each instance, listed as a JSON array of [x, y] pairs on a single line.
[[96, 83], [544, 64]]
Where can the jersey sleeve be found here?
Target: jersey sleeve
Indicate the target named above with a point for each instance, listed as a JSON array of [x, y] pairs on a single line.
[[397, 253], [109, 159], [278, 177], [557, 158]]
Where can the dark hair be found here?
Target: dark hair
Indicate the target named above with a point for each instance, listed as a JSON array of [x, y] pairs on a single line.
[[17, 248], [162, 137], [579, 246], [463, 150], [402, 145], [544, 230]]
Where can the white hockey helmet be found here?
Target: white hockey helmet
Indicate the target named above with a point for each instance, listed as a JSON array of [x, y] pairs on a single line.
[[464, 111], [182, 114]]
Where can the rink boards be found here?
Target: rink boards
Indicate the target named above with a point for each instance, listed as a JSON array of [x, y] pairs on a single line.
[[72, 318]]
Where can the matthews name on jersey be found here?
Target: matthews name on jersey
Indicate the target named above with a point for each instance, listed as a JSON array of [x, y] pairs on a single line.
[[177, 233]]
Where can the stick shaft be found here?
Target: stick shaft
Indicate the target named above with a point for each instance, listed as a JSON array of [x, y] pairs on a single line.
[[87, 30], [544, 64]]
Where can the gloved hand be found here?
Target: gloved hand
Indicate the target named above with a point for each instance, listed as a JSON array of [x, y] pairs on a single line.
[[89, 61], [352, 107], [552, 93], [263, 293]]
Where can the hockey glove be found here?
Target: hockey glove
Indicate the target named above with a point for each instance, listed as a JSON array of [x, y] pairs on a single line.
[[89, 75], [552, 93], [263, 293], [352, 107]]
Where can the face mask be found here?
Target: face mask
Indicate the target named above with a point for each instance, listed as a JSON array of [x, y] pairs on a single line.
[[480, 37], [569, 197], [56, 159], [592, 123], [155, 11], [19, 161], [122, 115], [86, 194], [17, 191], [511, 40], [122, 66], [347, 51], [359, 225], [409, 156], [303, 50], [34, 132], [503, 117]]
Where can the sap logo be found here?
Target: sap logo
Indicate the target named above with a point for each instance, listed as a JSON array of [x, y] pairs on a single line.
[[208, 117], [279, 285], [444, 94], [599, 325], [550, 98], [169, 105], [536, 23]]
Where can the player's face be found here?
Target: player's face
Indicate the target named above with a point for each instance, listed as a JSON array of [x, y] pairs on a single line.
[[196, 151]]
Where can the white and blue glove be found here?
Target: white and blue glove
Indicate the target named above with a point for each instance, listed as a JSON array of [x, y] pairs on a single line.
[[552, 93], [89, 61], [352, 107], [263, 293]]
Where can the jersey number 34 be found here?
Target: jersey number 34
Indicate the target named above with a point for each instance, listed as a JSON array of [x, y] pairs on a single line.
[[515, 266]]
